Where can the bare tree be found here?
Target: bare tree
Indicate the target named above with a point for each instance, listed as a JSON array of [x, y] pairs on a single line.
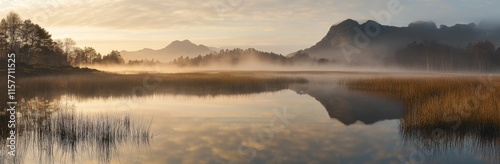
[[4, 44], [68, 45], [14, 23]]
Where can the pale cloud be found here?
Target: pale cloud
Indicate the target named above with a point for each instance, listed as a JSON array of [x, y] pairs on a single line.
[[222, 22]]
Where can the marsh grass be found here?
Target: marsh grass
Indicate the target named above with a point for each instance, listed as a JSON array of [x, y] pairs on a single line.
[[440, 101], [444, 113], [115, 85], [56, 132]]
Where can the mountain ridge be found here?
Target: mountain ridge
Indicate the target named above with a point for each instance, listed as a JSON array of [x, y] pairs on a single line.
[[173, 50], [349, 41]]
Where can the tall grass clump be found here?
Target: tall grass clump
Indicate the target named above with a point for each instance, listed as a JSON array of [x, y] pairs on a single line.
[[55, 130], [444, 113], [437, 101]]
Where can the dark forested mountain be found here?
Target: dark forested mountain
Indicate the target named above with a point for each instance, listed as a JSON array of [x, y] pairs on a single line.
[[371, 42], [174, 50]]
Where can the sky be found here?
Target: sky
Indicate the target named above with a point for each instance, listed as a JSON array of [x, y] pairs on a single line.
[[280, 26]]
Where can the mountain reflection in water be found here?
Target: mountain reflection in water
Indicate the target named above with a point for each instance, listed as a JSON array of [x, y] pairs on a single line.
[[349, 107], [207, 125]]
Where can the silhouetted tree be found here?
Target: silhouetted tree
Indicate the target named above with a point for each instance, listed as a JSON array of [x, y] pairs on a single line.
[[483, 52], [497, 58], [323, 61], [31, 43], [97, 59], [4, 44], [68, 45], [238, 56], [431, 55], [84, 56], [143, 62], [112, 58], [13, 22]]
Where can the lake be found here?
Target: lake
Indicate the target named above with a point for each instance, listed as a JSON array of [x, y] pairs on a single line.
[[318, 121]]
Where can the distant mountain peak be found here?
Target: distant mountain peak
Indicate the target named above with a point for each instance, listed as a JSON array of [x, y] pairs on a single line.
[[348, 21], [181, 43], [187, 41], [359, 43], [338, 34], [372, 21], [174, 50], [423, 25]]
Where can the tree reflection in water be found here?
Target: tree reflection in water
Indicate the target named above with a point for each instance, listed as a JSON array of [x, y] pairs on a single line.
[[53, 129]]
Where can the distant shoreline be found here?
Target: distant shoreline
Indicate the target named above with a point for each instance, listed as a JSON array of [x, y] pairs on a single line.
[[25, 70]]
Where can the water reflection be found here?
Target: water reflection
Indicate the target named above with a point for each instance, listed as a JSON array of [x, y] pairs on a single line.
[[52, 131], [454, 140], [211, 130], [4, 134], [208, 125], [117, 86], [349, 107], [441, 122]]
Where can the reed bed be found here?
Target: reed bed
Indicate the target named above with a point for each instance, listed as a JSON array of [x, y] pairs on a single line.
[[440, 101], [444, 113], [51, 129]]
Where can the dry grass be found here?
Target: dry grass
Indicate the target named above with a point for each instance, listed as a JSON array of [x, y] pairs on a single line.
[[444, 113], [53, 129], [114, 85], [440, 101]]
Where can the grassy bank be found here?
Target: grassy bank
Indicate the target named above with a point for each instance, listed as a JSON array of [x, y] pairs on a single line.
[[444, 114], [25, 70], [433, 102]]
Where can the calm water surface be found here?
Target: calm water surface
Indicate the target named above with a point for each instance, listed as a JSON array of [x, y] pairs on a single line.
[[318, 122]]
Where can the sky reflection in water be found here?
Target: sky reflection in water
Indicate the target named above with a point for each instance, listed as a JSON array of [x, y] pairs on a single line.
[[322, 124]]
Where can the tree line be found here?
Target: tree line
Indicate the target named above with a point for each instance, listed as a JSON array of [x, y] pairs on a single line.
[[433, 56], [34, 45], [238, 56]]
